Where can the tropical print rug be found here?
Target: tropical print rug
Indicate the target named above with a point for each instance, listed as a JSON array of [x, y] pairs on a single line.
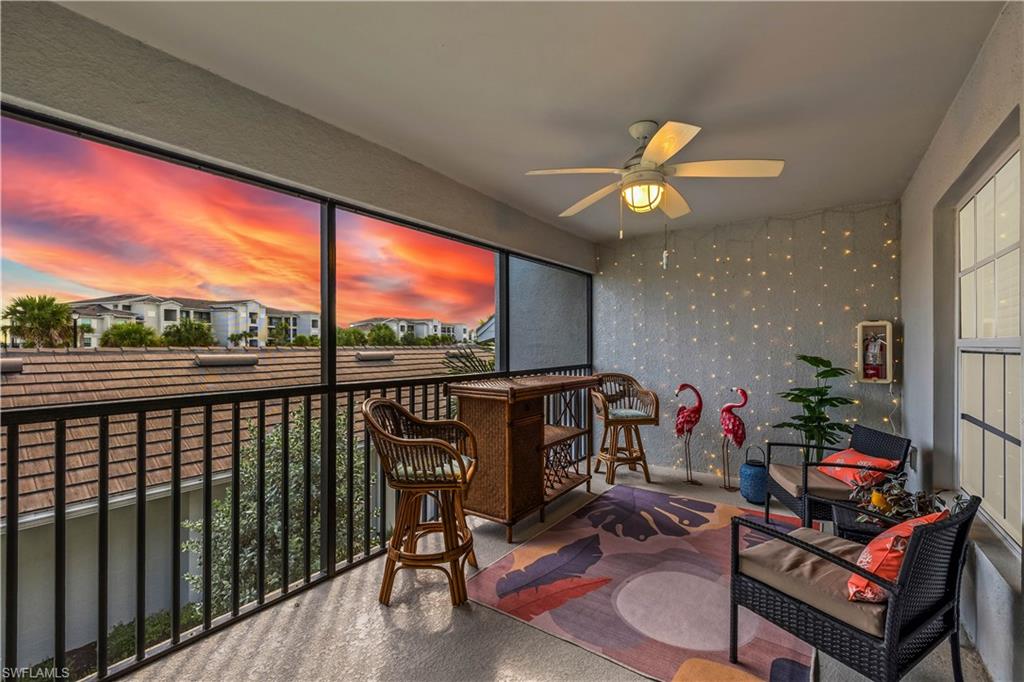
[[642, 578]]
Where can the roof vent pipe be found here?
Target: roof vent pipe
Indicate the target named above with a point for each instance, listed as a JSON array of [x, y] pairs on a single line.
[[227, 360], [11, 365], [374, 356]]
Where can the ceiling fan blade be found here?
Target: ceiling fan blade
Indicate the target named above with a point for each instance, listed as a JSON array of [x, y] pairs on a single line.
[[672, 202], [588, 200], [669, 139], [731, 168], [571, 171]]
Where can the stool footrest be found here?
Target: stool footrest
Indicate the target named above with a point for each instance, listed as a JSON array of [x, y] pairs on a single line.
[[410, 530]]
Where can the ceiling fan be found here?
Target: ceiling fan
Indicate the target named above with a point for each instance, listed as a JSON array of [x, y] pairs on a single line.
[[643, 183]]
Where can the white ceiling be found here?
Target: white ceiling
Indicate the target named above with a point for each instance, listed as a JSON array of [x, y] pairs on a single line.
[[849, 94]]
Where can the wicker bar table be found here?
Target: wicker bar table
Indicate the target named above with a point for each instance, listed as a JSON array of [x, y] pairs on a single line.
[[524, 463]]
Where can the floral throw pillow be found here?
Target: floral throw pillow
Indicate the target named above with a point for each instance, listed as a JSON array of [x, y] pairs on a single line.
[[855, 477], [883, 556]]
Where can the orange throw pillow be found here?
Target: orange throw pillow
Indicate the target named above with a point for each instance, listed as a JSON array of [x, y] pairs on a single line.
[[855, 477], [883, 556]]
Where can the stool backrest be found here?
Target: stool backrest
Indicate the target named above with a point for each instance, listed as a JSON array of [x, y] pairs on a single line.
[[932, 568], [411, 450], [880, 444], [619, 390]]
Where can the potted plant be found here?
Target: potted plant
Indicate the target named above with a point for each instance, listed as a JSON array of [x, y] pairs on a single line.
[[814, 424], [892, 499]]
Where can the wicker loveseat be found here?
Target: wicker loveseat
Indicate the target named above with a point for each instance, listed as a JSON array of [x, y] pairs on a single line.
[[788, 483], [798, 582]]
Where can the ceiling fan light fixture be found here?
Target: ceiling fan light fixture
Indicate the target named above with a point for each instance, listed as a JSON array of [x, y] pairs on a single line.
[[643, 194]]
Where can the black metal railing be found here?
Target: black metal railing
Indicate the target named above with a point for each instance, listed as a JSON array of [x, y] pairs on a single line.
[[291, 494]]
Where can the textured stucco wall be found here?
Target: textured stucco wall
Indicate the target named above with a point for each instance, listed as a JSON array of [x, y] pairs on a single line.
[[984, 119], [989, 99], [35, 576], [59, 62], [736, 304]]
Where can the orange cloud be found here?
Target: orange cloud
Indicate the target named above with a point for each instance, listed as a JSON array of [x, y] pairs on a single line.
[[82, 216]]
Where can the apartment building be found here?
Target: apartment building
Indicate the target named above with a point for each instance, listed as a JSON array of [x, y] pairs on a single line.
[[227, 318], [421, 327], [298, 323]]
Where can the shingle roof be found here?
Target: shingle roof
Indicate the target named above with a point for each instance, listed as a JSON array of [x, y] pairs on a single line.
[[371, 320], [186, 302], [95, 309], [191, 303], [114, 297], [54, 377]]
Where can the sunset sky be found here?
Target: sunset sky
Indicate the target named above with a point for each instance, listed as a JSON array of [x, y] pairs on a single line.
[[81, 220]]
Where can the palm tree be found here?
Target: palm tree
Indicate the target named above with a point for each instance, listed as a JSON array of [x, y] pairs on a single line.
[[240, 338], [189, 332], [83, 329], [39, 320]]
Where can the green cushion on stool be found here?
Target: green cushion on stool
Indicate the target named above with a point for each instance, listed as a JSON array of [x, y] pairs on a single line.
[[401, 471], [626, 413]]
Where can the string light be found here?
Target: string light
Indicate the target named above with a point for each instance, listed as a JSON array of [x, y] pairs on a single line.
[[850, 254]]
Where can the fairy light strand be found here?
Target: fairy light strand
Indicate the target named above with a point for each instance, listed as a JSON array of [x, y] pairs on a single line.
[[731, 305]]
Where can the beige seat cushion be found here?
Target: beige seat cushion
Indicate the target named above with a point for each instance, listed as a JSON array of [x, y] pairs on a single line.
[[821, 485], [813, 580]]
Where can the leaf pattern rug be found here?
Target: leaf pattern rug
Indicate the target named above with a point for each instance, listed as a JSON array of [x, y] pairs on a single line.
[[642, 578]]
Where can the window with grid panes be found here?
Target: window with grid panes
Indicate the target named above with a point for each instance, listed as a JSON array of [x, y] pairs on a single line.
[[989, 345]]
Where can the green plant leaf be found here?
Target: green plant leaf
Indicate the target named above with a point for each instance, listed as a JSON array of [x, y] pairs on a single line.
[[814, 361], [832, 373]]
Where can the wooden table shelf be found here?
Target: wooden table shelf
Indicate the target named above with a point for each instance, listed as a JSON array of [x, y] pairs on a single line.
[[554, 434], [573, 480], [523, 462]]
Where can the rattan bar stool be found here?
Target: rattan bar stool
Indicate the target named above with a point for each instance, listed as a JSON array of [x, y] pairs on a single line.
[[422, 459], [624, 406]]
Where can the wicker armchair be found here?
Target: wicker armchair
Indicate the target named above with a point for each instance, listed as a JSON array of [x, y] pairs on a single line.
[[624, 406], [424, 458], [798, 582], [790, 483]]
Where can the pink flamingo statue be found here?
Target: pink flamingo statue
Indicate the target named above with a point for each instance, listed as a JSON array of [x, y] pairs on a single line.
[[733, 430], [686, 419]]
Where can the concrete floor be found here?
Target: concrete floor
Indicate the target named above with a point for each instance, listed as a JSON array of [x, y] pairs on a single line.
[[338, 631]]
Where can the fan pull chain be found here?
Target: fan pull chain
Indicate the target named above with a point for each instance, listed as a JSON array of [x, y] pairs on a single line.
[[620, 214], [664, 254]]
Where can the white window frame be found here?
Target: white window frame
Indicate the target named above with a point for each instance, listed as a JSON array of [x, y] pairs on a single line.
[[996, 345]]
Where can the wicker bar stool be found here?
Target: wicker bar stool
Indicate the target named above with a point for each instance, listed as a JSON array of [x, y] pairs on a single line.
[[624, 406], [420, 459]]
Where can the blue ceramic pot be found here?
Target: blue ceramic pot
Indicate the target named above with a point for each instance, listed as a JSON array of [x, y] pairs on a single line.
[[753, 479]]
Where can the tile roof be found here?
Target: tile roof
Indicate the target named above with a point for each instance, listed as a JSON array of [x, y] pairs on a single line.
[[60, 376]]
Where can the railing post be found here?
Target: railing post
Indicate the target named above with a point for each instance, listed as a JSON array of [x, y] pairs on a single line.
[[307, 485], [350, 476], [236, 507], [59, 542], [207, 516], [328, 483], [11, 567], [103, 535], [367, 512], [176, 525], [285, 485], [261, 500], [140, 536]]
